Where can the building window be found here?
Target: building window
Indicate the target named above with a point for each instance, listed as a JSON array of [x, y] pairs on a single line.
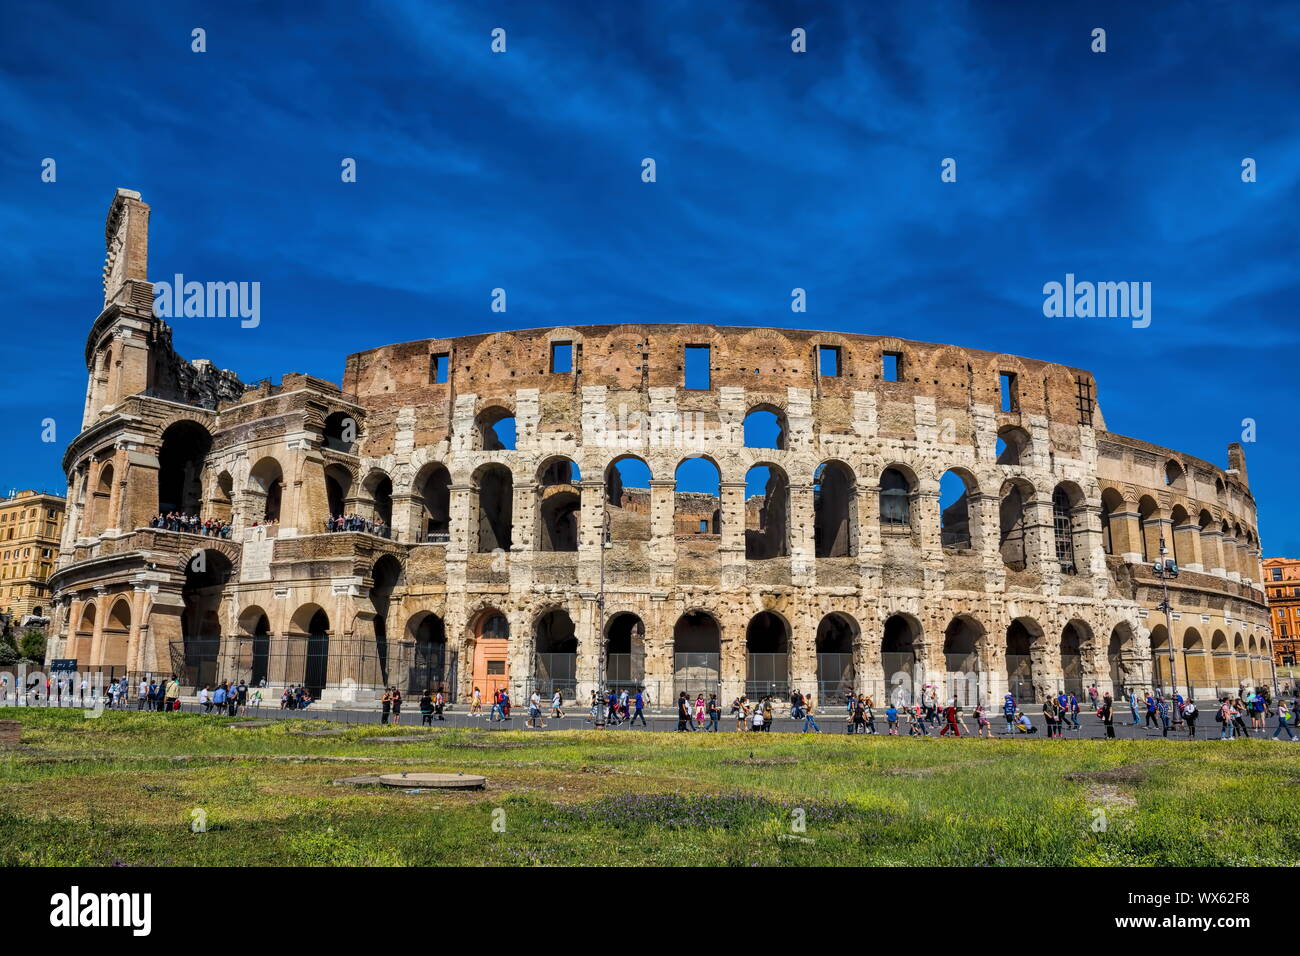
[[1010, 392], [891, 367], [1277, 574], [561, 358], [696, 362], [828, 361], [439, 368]]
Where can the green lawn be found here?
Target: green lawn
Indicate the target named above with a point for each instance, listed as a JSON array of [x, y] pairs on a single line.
[[123, 788]]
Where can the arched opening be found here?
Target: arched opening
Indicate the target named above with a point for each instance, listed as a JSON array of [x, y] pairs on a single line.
[[1012, 446], [316, 671], [956, 489], [1112, 505], [1022, 636], [340, 432], [767, 510], [206, 575], [555, 664], [627, 497], [1149, 527], [1240, 669], [434, 491], [388, 577], [836, 635], [1198, 670], [896, 489], [496, 429], [1121, 658], [1175, 477], [624, 652], [834, 499], [116, 639], [101, 508], [379, 489], [1222, 663], [1180, 523], [495, 490], [697, 501], [338, 483], [961, 661], [222, 505], [1160, 657], [1013, 524], [767, 664], [1067, 505], [1074, 639], [900, 655], [85, 636], [185, 447], [491, 637], [429, 653], [255, 626], [266, 489], [697, 654], [559, 505], [765, 427]]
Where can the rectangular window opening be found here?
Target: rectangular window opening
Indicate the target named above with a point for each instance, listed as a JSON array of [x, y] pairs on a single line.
[[696, 360], [561, 358], [828, 361], [892, 367], [439, 368], [1010, 392]]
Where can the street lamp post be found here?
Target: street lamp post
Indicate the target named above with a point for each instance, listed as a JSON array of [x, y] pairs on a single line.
[[1165, 569]]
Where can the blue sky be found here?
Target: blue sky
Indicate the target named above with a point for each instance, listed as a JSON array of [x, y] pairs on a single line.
[[775, 170]]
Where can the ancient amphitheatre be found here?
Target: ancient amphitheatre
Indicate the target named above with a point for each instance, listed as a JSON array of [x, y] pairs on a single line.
[[781, 509]]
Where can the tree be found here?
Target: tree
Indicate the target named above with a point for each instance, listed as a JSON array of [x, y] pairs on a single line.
[[32, 644]]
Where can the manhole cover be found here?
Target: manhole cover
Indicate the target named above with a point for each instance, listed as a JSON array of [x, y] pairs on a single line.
[[434, 781]]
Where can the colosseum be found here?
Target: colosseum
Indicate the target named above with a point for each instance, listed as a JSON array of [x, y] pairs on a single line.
[[676, 507]]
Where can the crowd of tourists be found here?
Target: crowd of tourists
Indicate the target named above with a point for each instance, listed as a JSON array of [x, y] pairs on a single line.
[[191, 524], [355, 522], [229, 699]]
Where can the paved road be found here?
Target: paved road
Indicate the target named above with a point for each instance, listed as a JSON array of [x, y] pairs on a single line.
[[830, 722]]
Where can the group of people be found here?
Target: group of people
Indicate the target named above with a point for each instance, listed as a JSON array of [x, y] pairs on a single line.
[[355, 522], [614, 706], [295, 697], [191, 524], [230, 699]]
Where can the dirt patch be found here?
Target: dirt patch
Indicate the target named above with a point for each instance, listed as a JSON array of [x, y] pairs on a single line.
[[1127, 773], [1109, 795], [761, 761]]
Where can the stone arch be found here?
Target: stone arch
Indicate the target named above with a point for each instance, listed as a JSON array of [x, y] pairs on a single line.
[[767, 514], [964, 644], [958, 489], [426, 639], [182, 454], [1114, 535], [338, 488], [432, 489], [697, 652], [102, 499], [494, 507], [1014, 516], [559, 504], [266, 490], [898, 488], [834, 510], [1122, 659], [340, 432], [1221, 654], [628, 505], [496, 428], [837, 645], [767, 655], [1013, 446], [1076, 650], [1025, 665], [116, 637], [1069, 525], [902, 654], [254, 626], [624, 651], [1197, 668], [766, 426], [310, 626]]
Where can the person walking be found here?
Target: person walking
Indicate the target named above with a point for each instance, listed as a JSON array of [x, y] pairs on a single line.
[[556, 712], [1050, 715], [859, 715], [712, 709], [385, 706], [496, 707], [982, 726], [426, 709], [1224, 717], [808, 720], [1133, 706], [1162, 706], [638, 705], [1284, 722], [1074, 711], [683, 713], [891, 719], [950, 718], [1009, 712], [476, 703], [1151, 712], [1189, 716], [1107, 713]]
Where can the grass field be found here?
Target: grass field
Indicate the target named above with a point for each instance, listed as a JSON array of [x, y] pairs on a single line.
[[121, 789]]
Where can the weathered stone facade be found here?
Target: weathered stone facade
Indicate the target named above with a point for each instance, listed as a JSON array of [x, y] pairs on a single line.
[[1037, 576]]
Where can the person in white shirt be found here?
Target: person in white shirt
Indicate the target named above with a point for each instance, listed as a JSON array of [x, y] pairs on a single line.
[[143, 699], [555, 705], [757, 719]]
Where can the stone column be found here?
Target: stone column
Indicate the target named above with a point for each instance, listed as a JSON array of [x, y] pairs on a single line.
[[799, 527], [1187, 544], [1126, 535], [588, 631], [663, 531], [591, 531], [731, 553]]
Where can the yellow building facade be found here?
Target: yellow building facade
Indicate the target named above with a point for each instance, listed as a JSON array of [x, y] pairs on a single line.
[[30, 525], [1282, 587]]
